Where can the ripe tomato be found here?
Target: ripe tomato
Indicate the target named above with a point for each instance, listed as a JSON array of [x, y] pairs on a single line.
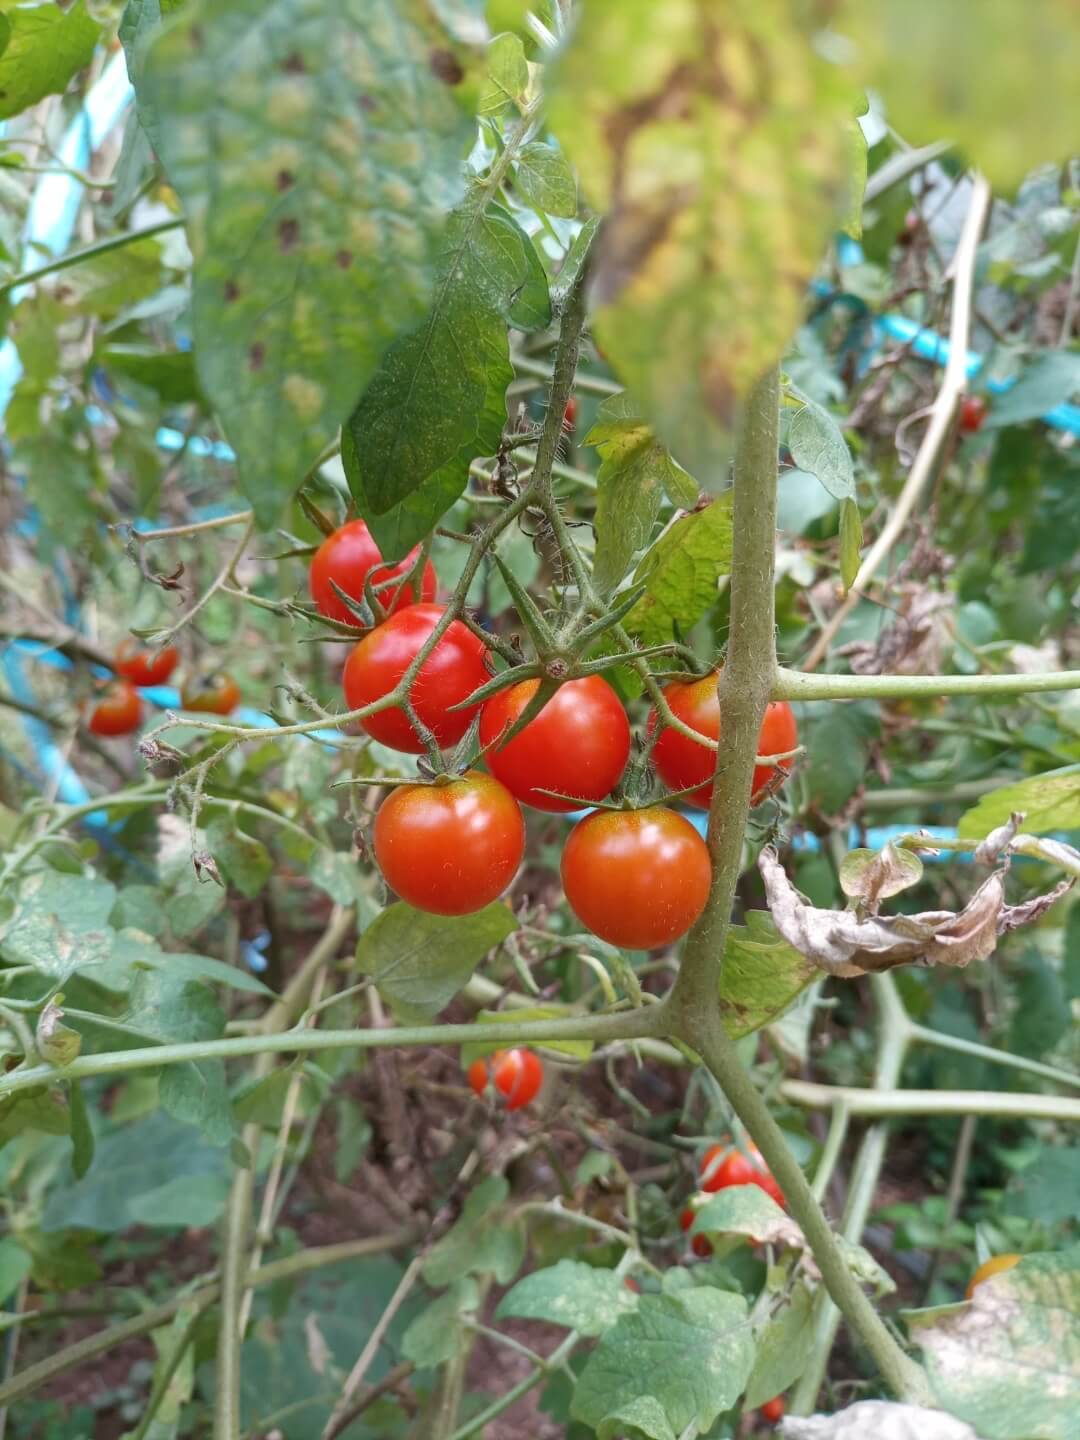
[[973, 411], [682, 762], [579, 743], [346, 557], [144, 667], [994, 1266], [453, 670], [570, 413], [214, 695], [636, 878], [518, 1075], [118, 712], [773, 1410], [723, 1166], [632, 1284], [450, 848]]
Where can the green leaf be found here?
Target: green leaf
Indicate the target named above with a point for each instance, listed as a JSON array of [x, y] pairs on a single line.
[[642, 1418], [1045, 1191], [263, 1100], [60, 925], [138, 26], [170, 373], [39, 1109], [244, 861], [838, 754], [1048, 802], [851, 537], [82, 1135], [851, 220], [15, 1263], [420, 961], [480, 1242], [436, 401], [45, 47], [693, 131], [156, 1172], [761, 975], [317, 147], [968, 71], [435, 1335], [1049, 380], [507, 75], [570, 1293], [1009, 1362], [699, 1349], [195, 1092], [680, 572], [818, 446], [545, 180], [635, 473], [783, 1349]]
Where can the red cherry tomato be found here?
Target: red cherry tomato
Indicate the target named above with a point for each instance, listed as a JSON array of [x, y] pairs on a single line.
[[632, 1284], [773, 1410], [686, 1219], [452, 848], [723, 1166], [994, 1266], [346, 557], [973, 411], [636, 878], [570, 413], [144, 667], [453, 670], [682, 762], [118, 712], [579, 743], [518, 1075], [701, 1245], [216, 695]]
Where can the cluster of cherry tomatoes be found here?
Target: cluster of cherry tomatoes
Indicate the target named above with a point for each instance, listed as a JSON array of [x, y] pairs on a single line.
[[119, 710], [516, 1074], [721, 1168], [637, 878]]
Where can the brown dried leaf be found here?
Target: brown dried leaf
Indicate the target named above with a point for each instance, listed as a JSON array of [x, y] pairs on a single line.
[[843, 944], [1013, 916], [987, 852], [873, 875]]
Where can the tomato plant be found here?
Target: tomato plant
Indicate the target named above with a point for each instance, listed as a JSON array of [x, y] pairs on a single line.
[[683, 763], [452, 847], [578, 744], [636, 878], [118, 712], [347, 559], [216, 694], [640, 333], [145, 667], [454, 669], [516, 1074]]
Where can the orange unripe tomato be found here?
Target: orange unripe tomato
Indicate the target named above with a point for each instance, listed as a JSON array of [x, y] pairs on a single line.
[[216, 695]]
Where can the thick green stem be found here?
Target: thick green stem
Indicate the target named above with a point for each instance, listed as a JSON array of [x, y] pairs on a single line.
[[895, 1032], [622, 1025], [746, 683], [233, 1268]]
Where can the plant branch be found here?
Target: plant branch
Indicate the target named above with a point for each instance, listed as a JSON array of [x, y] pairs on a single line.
[[89, 252], [797, 685], [942, 412]]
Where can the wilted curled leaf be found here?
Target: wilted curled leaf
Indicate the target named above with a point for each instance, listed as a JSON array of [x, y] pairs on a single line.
[[999, 839], [842, 943], [57, 1043], [1013, 916], [872, 876]]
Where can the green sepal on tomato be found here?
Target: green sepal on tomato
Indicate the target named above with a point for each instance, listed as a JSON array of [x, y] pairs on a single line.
[[578, 744], [452, 847], [682, 763], [455, 668]]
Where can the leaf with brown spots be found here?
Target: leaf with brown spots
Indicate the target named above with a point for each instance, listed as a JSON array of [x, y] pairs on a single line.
[[317, 152], [716, 139]]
